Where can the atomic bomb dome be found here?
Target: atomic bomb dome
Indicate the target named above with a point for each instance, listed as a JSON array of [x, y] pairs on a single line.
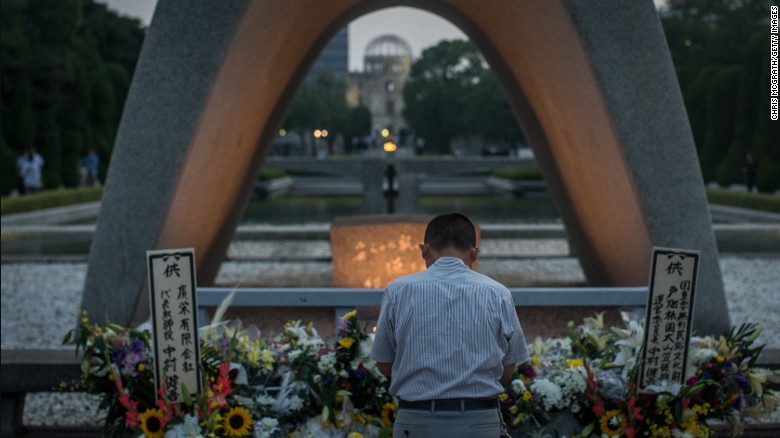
[[386, 64], [387, 53]]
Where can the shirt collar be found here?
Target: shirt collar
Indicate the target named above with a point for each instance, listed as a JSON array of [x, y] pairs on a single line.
[[449, 263]]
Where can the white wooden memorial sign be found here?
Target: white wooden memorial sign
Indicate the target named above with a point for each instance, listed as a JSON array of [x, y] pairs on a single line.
[[668, 316], [174, 321]]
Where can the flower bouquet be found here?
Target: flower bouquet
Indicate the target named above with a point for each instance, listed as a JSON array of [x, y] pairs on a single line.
[[588, 377], [292, 385], [296, 385]]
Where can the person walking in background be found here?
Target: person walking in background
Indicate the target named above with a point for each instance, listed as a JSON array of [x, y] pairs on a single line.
[[90, 162], [448, 337], [29, 167], [751, 168]]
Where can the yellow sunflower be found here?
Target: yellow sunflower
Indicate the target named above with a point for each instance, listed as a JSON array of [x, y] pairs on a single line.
[[237, 422], [153, 423], [388, 414], [613, 422]]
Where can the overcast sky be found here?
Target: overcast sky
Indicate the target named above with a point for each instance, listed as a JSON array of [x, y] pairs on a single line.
[[419, 28]]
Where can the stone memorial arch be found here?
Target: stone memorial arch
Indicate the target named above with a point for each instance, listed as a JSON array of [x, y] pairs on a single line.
[[591, 82]]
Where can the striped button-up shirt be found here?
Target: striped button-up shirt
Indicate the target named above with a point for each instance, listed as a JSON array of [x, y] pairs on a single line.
[[448, 331]]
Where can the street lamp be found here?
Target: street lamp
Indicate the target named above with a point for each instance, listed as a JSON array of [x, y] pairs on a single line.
[[390, 148]]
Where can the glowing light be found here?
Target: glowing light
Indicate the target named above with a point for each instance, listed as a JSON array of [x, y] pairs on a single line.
[[317, 133], [282, 132], [390, 146], [385, 133], [324, 132]]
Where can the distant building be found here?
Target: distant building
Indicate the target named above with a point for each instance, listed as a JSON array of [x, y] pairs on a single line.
[[379, 87], [334, 58], [386, 64]]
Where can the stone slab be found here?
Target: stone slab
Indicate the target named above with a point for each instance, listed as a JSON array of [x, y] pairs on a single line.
[[373, 250]]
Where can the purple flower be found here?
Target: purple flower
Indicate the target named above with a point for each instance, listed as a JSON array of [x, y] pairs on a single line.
[[131, 361], [360, 372], [343, 326], [137, 346], [118, 356], [742, 381]]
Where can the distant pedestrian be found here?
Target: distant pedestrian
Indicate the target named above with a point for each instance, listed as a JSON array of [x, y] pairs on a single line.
[[751, 169], [90, 163], [29, 170]]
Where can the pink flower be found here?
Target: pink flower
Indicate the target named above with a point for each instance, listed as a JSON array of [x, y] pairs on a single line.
[[118, 343], [599, 408], [221, 387]]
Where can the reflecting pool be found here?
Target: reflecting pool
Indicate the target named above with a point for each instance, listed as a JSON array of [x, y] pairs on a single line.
[[291, 210], [299, 210]]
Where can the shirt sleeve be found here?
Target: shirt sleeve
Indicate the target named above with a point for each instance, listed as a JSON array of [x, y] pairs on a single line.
[[383, 349], [517, 349]]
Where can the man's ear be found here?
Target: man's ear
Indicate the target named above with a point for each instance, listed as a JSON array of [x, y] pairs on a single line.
[[424, 250], [474, 254]]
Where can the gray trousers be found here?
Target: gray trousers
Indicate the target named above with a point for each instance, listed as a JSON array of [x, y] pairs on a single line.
[[415, 423]]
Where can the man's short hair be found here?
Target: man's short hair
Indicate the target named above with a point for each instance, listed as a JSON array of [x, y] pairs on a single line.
[[451, 230]]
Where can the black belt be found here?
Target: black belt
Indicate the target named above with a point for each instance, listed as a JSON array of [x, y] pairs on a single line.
[[451, 404]]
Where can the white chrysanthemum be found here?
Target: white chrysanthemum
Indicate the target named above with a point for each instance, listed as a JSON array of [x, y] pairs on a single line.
[[549, 393], [291, 356], [572, 382], [296, 403], [558, 347], [269, 423], [265, 400], [699, 356], [266, 427], [327, 363], [188, 429], [518, 386]]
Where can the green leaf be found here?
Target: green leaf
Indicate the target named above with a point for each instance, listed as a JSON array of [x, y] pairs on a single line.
[[186, 394], [587, 430]]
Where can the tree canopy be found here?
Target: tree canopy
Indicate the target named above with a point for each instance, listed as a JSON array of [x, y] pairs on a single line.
[[451, 92], [321, 103], [66, 69], [720, 52]]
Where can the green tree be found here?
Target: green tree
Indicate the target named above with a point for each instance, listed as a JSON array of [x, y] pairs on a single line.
[[719, 52], [358, 125], [451, 92], [66, 68], [321, 103]]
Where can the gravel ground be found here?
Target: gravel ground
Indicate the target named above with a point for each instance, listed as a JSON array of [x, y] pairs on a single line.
[[751, 285]]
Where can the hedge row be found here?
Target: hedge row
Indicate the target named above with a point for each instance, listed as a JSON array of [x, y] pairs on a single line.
[[68, 196], [50, 199], [61, 197], [753, 201], [528, 171]]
